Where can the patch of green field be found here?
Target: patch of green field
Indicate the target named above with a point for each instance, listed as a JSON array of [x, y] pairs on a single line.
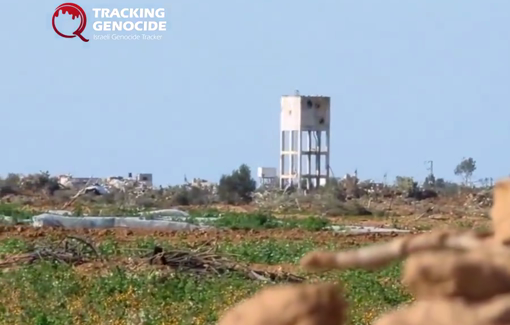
[[267, 221], [15, 211], [47, 293]]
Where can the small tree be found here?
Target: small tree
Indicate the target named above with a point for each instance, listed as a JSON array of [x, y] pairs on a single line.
[[446, 187], [12, 180], [440, 183], [404, 183], [430, 181], [237, 187], [465, 169]]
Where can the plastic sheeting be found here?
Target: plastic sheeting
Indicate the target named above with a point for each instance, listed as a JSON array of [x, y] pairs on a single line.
[[167, 213], [365, 230], [6, 220], [155, 224], [167, 219], [61, 212], [98, 222]]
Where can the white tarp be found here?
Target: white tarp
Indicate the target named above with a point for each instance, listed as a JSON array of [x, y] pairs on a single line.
[[174, 213], [97, 222], [56, 220], [167, 219]]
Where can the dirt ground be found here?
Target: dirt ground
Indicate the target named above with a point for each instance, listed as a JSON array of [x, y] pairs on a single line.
[[197, 238], [29, 233], [202, 239]]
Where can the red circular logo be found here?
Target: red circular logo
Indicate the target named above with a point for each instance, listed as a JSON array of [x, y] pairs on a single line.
[[76, 12]]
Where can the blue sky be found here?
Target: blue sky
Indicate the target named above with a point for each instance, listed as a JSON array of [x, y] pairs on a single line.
[[410, 81]]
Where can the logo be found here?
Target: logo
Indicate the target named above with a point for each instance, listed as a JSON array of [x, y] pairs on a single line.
[[76, 12]]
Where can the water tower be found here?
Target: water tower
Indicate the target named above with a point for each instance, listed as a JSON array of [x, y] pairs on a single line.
[[305, 140]]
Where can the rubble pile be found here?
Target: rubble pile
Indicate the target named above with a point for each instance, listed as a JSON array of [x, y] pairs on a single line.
[[277, 200], [103, 186], [344, 196], [455, 278], [203, 184], [481, 199]]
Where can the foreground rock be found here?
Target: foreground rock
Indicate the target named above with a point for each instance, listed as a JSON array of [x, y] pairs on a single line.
[[305, 304], [495, 311]]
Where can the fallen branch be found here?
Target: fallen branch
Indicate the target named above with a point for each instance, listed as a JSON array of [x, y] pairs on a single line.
[[203, 261]]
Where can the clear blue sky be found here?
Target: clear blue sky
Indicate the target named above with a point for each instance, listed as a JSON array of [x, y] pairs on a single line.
[[410, 81]]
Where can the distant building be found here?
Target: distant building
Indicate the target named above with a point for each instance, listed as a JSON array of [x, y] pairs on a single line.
[[144, 178], [78, 182], [267, 176], [304, 140]]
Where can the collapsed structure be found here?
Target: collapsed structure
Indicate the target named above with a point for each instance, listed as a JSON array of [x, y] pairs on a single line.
[[104, 185], [455, 278]]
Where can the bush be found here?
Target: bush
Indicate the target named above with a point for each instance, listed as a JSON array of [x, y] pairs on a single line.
[[237, 187], [7, 190], [43, 180], [247, 221], [190, 196], [12, 180], [145, 202], [348, 209]]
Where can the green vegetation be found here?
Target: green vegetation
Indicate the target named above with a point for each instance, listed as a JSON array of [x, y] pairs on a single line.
[[230, 220], [48, 293], [121, 287], [15, 211], [266, 221]]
